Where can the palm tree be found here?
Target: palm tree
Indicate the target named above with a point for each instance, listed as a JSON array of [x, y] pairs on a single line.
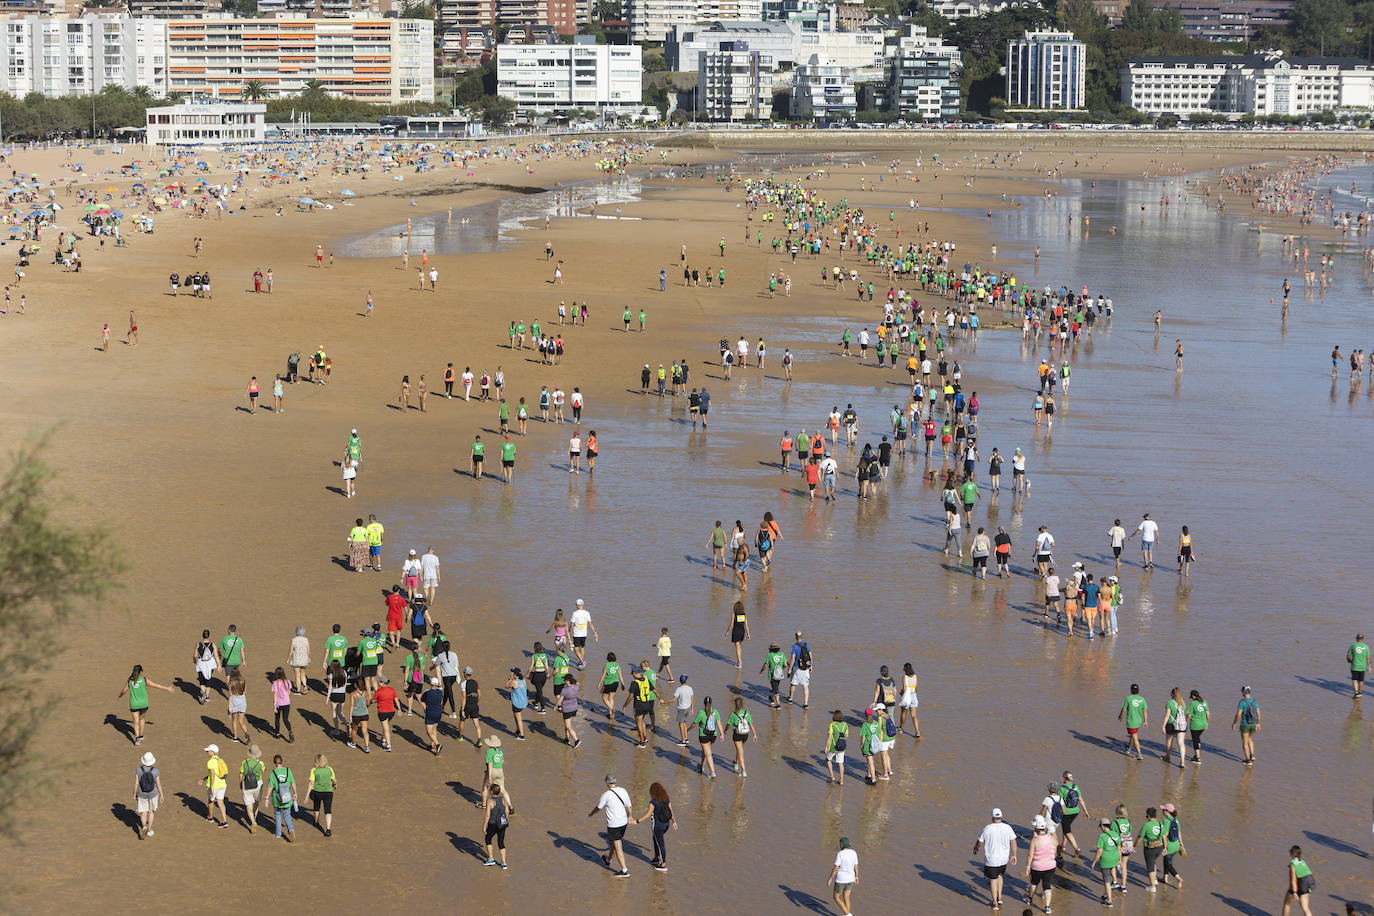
[[254, 90]]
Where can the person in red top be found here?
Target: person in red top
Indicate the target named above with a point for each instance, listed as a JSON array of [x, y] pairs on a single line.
[[395, 616], [813, 477], [385, 700]]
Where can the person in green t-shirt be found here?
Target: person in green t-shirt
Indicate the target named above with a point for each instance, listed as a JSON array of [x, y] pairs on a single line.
[[1199, 715], [507, 459], [281, 782], [869, 744], [478, 451], [137, 688], [335, 648], [322, 786], [836, 739], [1136, 712], [707, 722], [1071, 799], [1151, 841], [611, 681], [1358, 657], [1300, 883], [741, 726], [538, 676], [1247, 720], [503, 415], [775, 665], [1174, 716], [231, 653], [1173, 843], [1107, 857], [716, 542]]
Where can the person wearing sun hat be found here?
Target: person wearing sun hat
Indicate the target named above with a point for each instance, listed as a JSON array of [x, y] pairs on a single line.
[[494, 776], [251, 773], [147, 793]]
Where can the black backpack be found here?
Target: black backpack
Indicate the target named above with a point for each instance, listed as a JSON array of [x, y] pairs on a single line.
[[804, 657], [251, 776], [1071, 798], [147, 782]]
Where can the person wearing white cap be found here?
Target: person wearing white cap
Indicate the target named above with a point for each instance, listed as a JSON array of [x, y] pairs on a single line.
[[215, 785], [581, 622], [410, 571], [1041, 861], [147, 793], [615, 801], [997, 842]]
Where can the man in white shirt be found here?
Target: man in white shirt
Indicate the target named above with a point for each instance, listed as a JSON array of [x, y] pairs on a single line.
[[581, 621], [998, 844], [683, 699], [1118, 536], [429, 574], [1148, 530], [742, 348], [1044, 547], [844, 875], [615, 801]]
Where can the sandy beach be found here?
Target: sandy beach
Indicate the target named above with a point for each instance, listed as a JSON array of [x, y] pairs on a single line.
[[227, 516]]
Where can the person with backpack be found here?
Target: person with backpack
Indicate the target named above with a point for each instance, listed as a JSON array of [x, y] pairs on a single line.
[[1300, 883], [1071, 800], [251, 773], [1247, 720], [147, 793], [741, 725], [800, 674], [661, 810], [836, 742], [869, 744], [215, 784], [1175, 724], [887, 738], [205, 663], [1173, 844], [707, 722], [282, 783], [419, 619], [1121, 829], [445, 663], [775, 666]]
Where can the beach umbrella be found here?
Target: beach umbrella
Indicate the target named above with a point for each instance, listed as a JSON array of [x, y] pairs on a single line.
[[111, 189], [346, 193], [306, 200], [92, 207], [55, 206]]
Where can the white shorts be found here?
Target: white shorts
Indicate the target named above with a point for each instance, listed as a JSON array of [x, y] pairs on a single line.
[[836, 757], [801, 677], [909, 701], [431, 583], [216, 794], [887, 745], [147, 805], [252, 796]]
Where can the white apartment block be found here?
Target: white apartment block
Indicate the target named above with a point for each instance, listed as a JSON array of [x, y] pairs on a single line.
[[1046, 70], [207, 124], [653, 20], [548, 79], [960, 9], [823, 91], [782, 41], [1262, 83], [385, 61], [58, 57], [734, 85]]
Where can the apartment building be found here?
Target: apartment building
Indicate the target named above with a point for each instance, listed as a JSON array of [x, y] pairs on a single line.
[[173, 9], [1046, 69], [465, 13], [734, 85], [823, 91], [58, 57], [653, 20], [1230, 20], [464, 41], [1263, 83], [385, 61], [550, 79], [921, 84]]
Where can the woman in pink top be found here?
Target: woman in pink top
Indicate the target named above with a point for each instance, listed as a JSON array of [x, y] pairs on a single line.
[[1040, 862], [281, 700]]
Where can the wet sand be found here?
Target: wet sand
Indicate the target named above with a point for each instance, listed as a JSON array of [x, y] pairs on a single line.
[[232, 518]]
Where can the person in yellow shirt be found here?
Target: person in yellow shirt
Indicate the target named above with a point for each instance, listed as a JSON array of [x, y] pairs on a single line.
[[374, 541], [665, 654], [215, 784]]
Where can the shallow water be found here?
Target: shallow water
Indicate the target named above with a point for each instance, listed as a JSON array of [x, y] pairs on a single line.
[[1252, 446]]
